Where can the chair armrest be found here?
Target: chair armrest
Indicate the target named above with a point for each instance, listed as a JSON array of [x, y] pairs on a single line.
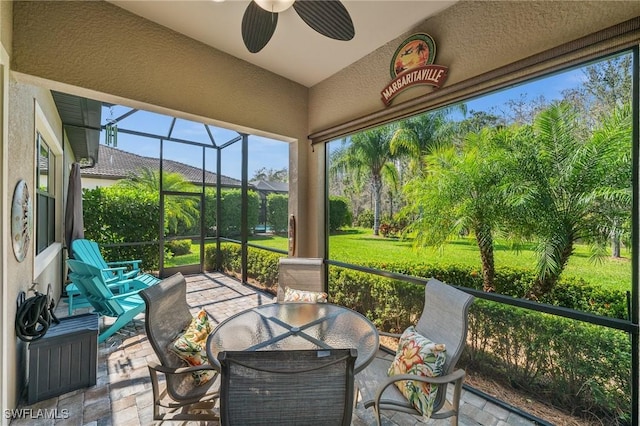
[[118, 270], [125, 295], [456, 376], [135, 264], [181, 370], [115, 269], [387, 334]]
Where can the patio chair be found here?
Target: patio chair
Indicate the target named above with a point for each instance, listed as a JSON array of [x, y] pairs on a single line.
[[301, 274], [92, 285], [443, 320], [88, 251], [115, 276], [167, 316], [296, 387]]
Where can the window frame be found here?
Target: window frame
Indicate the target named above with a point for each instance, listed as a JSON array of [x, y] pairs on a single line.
[[43, 128]]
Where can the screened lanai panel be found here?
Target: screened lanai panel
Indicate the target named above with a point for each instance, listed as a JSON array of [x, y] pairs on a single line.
[[230, 222], [537, 177], [524, 197], [268, 172]]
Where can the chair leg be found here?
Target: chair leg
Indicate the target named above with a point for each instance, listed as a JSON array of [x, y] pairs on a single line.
[[122, 320], [156, 394], [70, 303], [457, 392], [376, 410]]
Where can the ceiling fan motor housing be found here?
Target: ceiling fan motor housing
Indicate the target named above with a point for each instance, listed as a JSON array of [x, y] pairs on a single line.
[[275, 6]]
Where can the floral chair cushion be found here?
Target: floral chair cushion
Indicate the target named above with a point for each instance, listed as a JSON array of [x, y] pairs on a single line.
[[191, 346], [420, 356], [293, 295]]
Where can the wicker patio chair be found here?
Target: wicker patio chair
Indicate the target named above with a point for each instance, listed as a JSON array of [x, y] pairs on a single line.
[[167, 316], [301, 274], [443, 320], [297, 387]]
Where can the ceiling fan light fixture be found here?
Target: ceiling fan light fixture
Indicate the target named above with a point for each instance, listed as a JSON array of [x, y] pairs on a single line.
[[275, 6]]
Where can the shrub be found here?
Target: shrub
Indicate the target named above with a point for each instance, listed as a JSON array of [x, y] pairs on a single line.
[[262, 265], [364, 219], [278, 212], [339, 213], [179, 247], [392, 227], [230, 200], [115, 215]]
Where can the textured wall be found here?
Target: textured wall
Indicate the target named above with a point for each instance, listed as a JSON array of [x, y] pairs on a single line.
[[6, 19], [21, 157], [472, 37]]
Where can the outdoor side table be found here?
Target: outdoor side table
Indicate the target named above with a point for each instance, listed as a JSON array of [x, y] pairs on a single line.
[[65, 358], [287, 326]]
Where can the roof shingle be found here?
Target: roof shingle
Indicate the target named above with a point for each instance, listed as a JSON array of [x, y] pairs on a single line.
[[117, 164]]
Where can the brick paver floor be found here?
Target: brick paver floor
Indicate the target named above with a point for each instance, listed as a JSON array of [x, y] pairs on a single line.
[[122, 394]]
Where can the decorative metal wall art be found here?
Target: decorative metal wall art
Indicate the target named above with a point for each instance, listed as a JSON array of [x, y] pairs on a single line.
[[21, 220]]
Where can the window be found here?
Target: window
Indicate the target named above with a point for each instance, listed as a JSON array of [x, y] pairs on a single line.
[[46, 202]]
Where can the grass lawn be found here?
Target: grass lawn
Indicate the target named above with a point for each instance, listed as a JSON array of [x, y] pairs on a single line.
[[359, 245], [610, 273], [192, 258]]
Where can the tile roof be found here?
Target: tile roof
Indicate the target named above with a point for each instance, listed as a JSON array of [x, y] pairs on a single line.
[[269, 186], [117, 164]]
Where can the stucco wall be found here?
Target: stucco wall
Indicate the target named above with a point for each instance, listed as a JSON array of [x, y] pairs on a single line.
[[20, 275], [472, 37], [6, 24], [6, 19]]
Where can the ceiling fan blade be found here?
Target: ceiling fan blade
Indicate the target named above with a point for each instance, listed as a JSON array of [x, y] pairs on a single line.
[[328, 17], [258, 26]]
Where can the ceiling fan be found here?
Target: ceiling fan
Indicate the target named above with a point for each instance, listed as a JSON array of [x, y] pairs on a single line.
[[328, 17]]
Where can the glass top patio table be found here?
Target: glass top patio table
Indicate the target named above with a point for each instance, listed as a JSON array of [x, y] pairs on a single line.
[[289, 326]]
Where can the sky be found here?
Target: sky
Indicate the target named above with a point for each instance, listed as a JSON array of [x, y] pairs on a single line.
[[551, 87], [263, 152], [273, 154]]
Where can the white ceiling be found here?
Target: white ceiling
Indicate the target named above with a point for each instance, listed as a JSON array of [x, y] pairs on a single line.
[[295, 51]]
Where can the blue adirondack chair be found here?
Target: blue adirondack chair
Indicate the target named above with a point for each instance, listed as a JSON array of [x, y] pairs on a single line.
[[92, 285], [116, 274], [88, 251]]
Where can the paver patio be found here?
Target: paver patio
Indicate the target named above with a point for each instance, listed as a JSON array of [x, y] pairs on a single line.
[[122, 394]]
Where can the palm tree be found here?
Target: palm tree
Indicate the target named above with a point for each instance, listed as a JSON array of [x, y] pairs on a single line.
[[184, 211], [418, 135], [368, 156], [461, 192], [562, 182]]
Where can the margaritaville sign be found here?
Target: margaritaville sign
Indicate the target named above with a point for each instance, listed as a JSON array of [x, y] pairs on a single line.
[[412, 64]]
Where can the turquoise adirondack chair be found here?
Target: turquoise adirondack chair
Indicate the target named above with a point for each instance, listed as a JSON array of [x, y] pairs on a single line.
[[93, 286], [116, 274], [89, 252]]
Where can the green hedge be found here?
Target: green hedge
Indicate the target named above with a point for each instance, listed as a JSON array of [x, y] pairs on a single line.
[[570, 292], [179, 247], [339, 213], [278, 212], [582, 368], [262, 265], [230, 201], [116, 215]]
